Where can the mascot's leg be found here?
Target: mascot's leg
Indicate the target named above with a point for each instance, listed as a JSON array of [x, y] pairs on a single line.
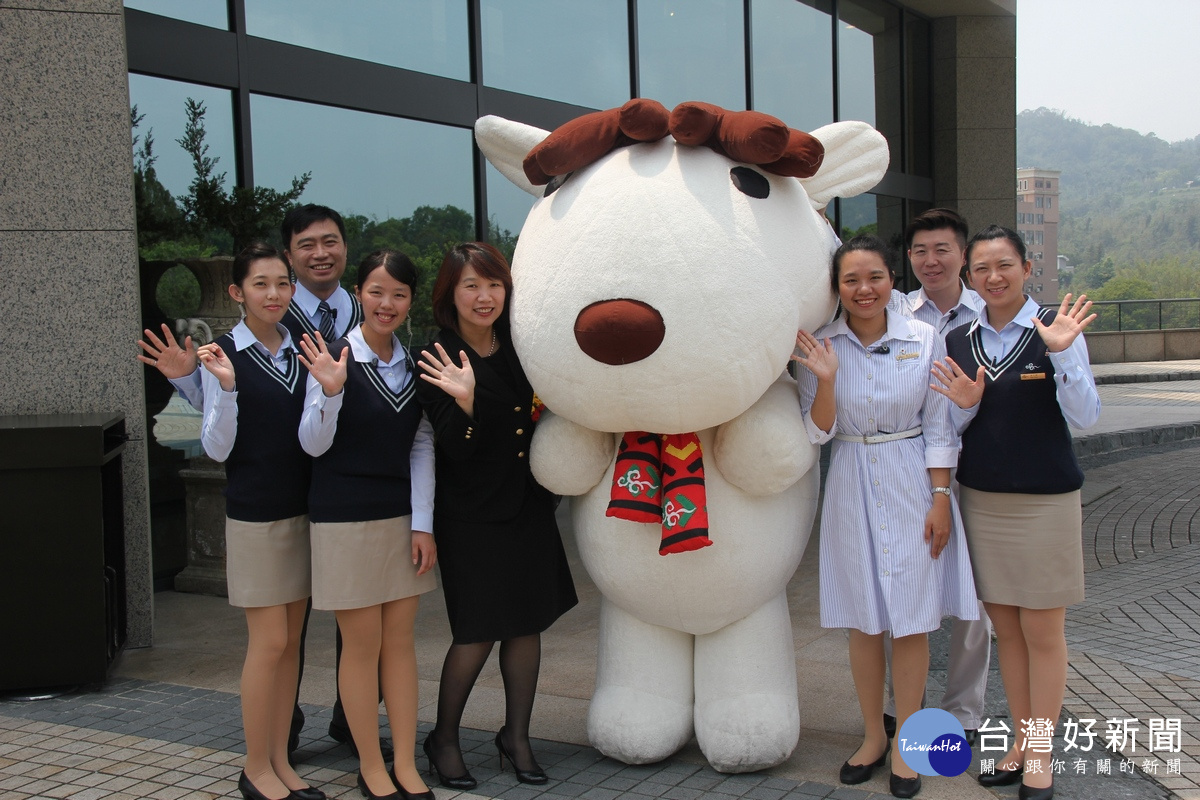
[[747, 714], [641, 711]]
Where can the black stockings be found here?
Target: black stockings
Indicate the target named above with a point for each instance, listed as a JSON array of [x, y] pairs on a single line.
[[520, 660]]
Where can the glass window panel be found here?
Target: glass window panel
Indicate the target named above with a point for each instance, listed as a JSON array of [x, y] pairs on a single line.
[[918, 141], [574, 51], [161, 101], [869, 74], [793, 61], [368, 164], [507, 208], [856, 216], [428, 36], [692, 50], [213, 13]]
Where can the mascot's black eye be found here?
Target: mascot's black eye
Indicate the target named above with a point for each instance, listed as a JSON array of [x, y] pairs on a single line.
[[749, 182], [555, 182]]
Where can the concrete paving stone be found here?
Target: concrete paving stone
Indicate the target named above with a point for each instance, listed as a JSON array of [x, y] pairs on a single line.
[[847, 793], [620, 783], [702, 780], [761, 792], [94, 793], [680, 793]]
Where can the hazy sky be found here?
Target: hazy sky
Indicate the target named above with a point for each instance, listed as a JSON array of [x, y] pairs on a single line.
[[1133, 64]]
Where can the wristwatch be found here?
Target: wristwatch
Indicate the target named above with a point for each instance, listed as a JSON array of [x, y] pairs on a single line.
[[941, 490]]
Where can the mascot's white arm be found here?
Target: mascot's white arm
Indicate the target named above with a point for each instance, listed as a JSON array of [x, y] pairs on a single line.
[[764, 450], [568, 458]]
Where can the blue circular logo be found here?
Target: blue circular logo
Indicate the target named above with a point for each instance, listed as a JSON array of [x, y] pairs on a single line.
[[933, 742]]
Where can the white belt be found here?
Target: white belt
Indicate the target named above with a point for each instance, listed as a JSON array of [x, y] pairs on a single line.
[[876, 438]]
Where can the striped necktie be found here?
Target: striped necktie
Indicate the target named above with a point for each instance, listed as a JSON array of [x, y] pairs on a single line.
[[325, 318]]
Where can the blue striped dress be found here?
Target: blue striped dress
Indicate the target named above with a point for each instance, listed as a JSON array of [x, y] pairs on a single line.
[[876, 571]]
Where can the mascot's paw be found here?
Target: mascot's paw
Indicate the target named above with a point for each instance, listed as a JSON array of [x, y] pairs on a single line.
[[567, 458], [637, 727], [765, 450], [747, 733]]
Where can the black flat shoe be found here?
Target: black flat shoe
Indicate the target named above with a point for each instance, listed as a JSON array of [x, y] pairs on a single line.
[[249, 792], [367, 793], [307, 793], [535, 777], [340, 732], [904, 787], [462, 782], [1030, 793], [860, 773], [1002, 777]]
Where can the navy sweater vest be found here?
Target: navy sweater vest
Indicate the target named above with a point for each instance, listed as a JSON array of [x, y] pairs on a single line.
[[267, 469], [364, 475], [1019, 441]]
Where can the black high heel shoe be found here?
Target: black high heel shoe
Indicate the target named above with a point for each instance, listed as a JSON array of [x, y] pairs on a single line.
[[249, 792], [860, 773], [367, 793], [535, 777], [462, 782], [904, 787], [1001, 777], [1030, 793], [307, 793]]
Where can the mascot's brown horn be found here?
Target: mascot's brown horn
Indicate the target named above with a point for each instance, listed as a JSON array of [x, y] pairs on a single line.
[[584, 140], [747, 136]]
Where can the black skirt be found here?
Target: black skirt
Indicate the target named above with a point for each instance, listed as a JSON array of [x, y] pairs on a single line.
[[503, 580]]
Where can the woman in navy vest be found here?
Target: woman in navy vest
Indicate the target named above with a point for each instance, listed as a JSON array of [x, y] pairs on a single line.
[[371, 506], [1020, 483], [253, 398], [504, 573]]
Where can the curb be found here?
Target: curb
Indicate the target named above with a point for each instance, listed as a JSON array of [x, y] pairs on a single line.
[[1100, 443], [1147, 377]]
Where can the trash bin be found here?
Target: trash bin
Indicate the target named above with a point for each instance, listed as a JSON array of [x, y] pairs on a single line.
[[62, 549]]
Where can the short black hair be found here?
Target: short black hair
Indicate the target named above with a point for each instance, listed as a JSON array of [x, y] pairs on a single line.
[[998, 232], [934, 220], [299, 218], [395, 263], [253, 252]]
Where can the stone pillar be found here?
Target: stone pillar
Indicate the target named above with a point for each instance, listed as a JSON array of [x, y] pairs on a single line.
[[975, 117], [68, 249]]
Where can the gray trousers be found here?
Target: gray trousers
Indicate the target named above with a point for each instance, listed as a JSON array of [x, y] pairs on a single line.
[[966, 670]]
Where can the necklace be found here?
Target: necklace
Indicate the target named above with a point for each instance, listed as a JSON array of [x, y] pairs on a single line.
[[492, 349]]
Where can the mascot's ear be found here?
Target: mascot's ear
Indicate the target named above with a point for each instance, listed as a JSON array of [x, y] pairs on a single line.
[[856, 157], [505, 144]]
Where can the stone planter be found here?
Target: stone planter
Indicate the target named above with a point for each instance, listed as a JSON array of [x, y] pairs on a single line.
[[205, 572]]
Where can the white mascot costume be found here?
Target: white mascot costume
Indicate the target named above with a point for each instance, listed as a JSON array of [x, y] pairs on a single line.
[[658, 285]]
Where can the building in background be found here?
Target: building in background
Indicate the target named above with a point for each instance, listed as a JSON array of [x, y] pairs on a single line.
[[1037, 222], [377, 100]]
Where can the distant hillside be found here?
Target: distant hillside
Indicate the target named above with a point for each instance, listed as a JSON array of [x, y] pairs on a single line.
[[1124, 195]]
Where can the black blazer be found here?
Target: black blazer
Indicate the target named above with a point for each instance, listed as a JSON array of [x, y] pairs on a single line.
[[482, 462]]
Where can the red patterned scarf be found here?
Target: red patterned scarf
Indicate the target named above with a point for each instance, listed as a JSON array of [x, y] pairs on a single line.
[[659, 477]]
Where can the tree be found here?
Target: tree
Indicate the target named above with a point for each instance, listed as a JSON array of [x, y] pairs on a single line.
[[244, 214]]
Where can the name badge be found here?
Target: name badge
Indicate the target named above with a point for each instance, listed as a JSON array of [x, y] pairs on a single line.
[[1033, 376], [903, 356]]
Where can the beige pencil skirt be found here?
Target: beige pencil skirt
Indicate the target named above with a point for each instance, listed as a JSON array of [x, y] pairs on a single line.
[[267, 563], [361, 564], [1026, 549]]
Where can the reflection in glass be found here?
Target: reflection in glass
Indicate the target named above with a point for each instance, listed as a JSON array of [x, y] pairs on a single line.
[[856, 215], [692, 50], [212, 13], [869, 68], [507, 208], [429, 36], [368, 164], [918, 156], [793, 61], [574, 51], [161, 101]]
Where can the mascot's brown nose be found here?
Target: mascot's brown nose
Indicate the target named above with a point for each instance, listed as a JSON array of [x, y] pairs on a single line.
[[619, 331]]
